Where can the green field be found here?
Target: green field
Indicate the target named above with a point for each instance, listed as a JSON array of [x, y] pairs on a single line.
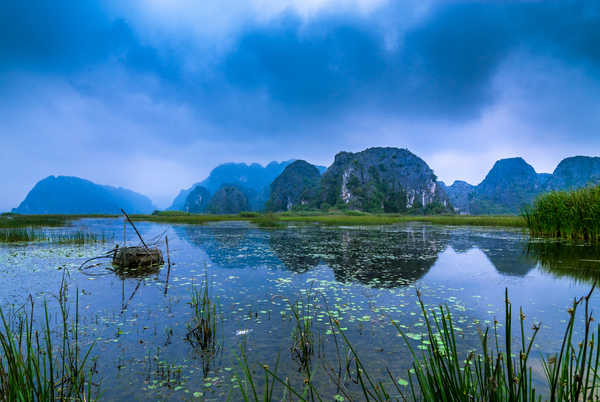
[[336, 218], [350, 218]]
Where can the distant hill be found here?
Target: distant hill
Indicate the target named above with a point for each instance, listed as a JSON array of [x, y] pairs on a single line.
[[459, 194], [253, 177], [298, 185], [73, 195], [382, 179], [575, 172], [512, 184]]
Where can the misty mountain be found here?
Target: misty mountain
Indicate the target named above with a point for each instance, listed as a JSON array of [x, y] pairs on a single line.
[[73, 195], [197, 200], [512, 184], [229, 199], [459, 194], [253, 177]]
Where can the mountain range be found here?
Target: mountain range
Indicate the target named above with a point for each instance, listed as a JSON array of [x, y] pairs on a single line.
[[512, 184], [376, 179]]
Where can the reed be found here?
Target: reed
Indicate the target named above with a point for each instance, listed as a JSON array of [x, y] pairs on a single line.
[[12, 220], [9, 220], [16, 235], [34, 366], [303, 337], [572, 215], [443, 372], [203, 330]]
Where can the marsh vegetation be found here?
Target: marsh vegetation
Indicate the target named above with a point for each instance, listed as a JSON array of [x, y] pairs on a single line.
[[571, 215]]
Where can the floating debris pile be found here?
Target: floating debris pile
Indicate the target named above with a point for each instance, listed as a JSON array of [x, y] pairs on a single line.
[[137, 256], [130, 261]]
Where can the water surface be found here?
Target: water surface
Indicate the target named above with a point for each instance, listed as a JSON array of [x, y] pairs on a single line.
[[364, 277]]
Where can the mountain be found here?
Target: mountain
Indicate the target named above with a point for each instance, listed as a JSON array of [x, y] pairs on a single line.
[[575, 172], [229, 199], [253, 177], [511, 185], [72, 195], [382, 179], [297, 185], [197, 200], [459, 194]]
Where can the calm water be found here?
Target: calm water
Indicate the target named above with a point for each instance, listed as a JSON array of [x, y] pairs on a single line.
[[365, 277]]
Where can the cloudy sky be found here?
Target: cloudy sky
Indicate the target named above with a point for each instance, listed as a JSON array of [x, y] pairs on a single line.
[[152, 94]]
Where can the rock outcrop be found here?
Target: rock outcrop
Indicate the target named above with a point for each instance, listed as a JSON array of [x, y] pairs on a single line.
[[382, 179], [197, 201], [297, 186], [229, 199]]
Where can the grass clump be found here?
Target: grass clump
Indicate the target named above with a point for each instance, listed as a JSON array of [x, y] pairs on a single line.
[[26, 235], [572, 215], [34, 366], [249, 214], [10, 220], [15, 235], [202, 332], [267, 221]]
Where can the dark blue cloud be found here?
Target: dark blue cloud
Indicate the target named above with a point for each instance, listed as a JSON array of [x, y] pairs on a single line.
[[443, 66], [290, 82]]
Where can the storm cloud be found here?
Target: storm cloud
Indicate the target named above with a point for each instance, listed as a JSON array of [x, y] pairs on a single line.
[[179, 88]]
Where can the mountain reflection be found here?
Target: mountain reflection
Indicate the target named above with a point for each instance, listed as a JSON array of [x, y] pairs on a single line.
[[508, 254], [580, 262], [231, 244], [380, 257]]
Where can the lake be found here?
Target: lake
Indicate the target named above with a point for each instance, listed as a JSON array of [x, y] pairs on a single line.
[[364, 277]]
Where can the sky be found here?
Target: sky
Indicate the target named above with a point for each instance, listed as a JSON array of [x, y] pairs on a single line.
[[151, 95]]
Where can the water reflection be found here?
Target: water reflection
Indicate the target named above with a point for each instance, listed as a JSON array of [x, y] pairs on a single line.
[[387, 257], [380, 258], [383, 257], [508, 254], [580, 262], [231, 244]]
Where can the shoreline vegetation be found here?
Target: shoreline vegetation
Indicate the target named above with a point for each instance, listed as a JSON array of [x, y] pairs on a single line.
[[569, 215], [333, 218]]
